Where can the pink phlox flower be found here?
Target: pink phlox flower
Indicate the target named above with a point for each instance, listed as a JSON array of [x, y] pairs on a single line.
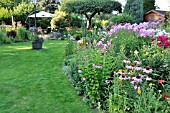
[[100, 43], [72, 38], [103, 39], [110, 22], [109, 43]]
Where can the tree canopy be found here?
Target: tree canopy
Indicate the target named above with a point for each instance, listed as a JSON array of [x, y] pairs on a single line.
[[90, 6], [148, 5], [135, 9]]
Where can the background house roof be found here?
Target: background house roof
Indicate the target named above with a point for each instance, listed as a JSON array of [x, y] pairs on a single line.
[[160, 12]]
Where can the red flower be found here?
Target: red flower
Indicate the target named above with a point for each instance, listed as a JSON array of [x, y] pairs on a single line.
[[159, 45], [153, 39], [162, 38], [161, 81], [165, 96], [166, 44]]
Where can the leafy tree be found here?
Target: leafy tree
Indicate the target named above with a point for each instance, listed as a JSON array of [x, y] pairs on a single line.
[[21, 12], [135, 8], [148, 5], [90, 6], [5, 15]]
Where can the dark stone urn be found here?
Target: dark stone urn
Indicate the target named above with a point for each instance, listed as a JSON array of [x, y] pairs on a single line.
[[37, 44]]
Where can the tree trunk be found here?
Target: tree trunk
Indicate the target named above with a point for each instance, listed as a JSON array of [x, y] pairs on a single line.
[[89, 19]]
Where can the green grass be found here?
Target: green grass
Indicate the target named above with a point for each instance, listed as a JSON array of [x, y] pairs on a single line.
[[31, 81]]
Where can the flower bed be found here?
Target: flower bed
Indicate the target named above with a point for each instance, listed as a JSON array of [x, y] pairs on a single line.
[[120, 68]]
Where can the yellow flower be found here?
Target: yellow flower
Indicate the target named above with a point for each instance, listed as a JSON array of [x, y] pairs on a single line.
[[139, 92], [159, 91], [121, 70], [119, 80], [136, 52], [151, 84]]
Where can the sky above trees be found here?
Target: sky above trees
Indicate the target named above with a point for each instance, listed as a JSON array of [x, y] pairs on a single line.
[[162, 4]]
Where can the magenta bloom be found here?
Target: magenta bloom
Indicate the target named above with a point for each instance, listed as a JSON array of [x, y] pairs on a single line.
[[159, 45], [162, 38], [166, 44]]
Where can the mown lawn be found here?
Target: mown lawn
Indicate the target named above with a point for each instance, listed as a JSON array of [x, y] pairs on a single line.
[[32, 81]]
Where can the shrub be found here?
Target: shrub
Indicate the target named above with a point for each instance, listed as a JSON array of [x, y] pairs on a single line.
[[11, 33], [21, 34], [122, 18], [134, 8], [5, 15], [60, 21]]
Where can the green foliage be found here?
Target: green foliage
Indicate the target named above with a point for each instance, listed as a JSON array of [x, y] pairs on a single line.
[[107, 83], [21, 34], [90, 6], [5, 15], [63, 20], [2, 36], [21, 11], [148, 5], [84, 6], [60, 21], [135, 8], [123, 18]]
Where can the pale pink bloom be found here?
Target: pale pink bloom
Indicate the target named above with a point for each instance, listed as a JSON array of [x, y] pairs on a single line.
[[142, 75], [135, 87], [107, 81], [126, 61], [116, 72], [137, 79], [137, 62], [123, 77], [132, 82], [148, 78], [138, 87], [138, 68], [147, 70], [132, 66], [84, 78], [128, 66], [79, 71]]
